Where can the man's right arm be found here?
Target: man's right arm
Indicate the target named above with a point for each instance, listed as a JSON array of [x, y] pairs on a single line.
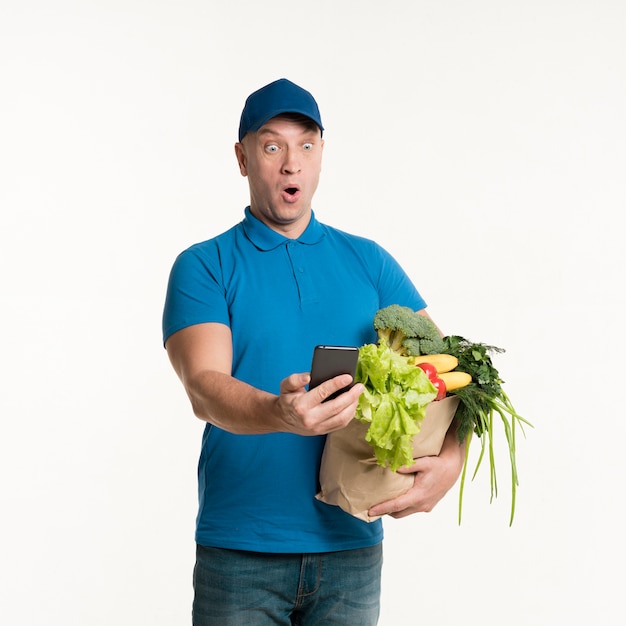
[[202, 357]]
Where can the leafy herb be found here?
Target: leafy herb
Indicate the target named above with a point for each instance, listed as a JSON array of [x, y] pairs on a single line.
[[480, 401]]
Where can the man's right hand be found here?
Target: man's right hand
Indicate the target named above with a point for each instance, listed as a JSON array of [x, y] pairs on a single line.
[[305, 412]]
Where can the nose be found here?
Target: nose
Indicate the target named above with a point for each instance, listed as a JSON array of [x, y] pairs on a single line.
[[291, 163]]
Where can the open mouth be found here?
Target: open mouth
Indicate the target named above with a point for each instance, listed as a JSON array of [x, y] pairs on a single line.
[[292, 191]]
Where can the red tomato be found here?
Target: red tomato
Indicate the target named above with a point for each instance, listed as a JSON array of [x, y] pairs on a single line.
[[441, 388], [431, 370]]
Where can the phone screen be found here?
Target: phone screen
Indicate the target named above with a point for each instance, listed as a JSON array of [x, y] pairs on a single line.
[[331, 361]]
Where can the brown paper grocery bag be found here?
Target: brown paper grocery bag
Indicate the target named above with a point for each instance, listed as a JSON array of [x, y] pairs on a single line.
[[349, 475]]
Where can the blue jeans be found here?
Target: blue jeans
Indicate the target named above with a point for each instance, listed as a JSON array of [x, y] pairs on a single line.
[[234, 588]]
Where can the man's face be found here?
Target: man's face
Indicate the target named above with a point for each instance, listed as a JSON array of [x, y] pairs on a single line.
[[282, 161]]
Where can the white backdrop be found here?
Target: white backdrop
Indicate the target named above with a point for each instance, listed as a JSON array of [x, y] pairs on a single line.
[[481, 142]]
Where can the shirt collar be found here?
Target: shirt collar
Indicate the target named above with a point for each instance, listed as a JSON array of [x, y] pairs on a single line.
[[264, 238]]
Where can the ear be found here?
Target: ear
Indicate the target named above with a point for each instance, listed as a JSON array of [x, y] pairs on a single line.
[[240, 153]]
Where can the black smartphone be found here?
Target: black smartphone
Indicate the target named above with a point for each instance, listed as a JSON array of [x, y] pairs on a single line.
[[331, 361]]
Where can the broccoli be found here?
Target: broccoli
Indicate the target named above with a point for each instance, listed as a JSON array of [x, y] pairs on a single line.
[[406, 331]]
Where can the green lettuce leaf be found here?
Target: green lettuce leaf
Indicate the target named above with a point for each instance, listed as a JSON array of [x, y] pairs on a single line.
[[393, 403]]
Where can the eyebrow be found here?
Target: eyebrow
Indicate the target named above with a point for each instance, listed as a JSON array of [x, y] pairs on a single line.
[[267, 131]]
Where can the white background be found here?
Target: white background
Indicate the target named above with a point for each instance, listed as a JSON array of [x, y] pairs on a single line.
[[481, 142]]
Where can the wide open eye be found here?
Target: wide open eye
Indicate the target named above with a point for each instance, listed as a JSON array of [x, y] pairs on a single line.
[[308, 146], [272, 148]]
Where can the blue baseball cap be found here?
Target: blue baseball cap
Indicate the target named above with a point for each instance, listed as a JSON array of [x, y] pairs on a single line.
[[281, 96]]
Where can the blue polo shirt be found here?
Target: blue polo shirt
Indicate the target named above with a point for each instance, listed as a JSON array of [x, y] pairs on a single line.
[[280, 297]]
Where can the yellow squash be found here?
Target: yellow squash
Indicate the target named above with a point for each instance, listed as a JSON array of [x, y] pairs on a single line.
[[441, 362], [455, 380]]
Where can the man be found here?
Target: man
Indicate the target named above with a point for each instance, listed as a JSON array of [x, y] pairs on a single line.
[[243, 313]]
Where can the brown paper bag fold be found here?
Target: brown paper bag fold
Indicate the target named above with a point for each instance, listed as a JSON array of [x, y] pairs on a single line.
[[349, 475]]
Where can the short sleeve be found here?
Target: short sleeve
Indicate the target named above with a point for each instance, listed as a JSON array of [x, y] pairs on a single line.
[[195, 291], [395, 286]]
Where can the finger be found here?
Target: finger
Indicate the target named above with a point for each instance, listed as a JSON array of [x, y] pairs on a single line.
[[390, 507], [411, 469], [324, 391], [338, 412], [397, 508], [419, 465]]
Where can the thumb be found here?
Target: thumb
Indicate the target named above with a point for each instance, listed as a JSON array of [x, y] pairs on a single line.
[[295, 382]]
